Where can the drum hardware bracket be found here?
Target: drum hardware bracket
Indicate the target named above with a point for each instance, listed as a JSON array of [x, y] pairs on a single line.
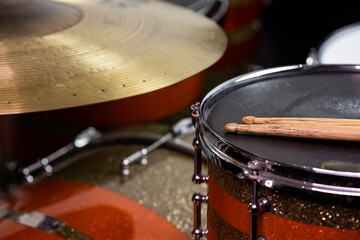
[[198, 232], [258, 204], [312, 58], [198, 177], [195, 114], [181, 128], [80, 141]]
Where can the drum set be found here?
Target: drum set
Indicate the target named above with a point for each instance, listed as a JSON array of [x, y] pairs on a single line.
[[108, 67]]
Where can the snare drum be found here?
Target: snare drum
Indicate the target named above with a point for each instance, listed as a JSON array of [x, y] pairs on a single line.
[[340, 47], [275, 187]]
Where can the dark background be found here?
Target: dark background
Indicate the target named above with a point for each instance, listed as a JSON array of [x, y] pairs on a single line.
[[291, 28]]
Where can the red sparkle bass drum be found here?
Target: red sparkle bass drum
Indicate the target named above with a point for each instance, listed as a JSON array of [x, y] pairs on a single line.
[[276, 188], [79, 190], [73, 210]]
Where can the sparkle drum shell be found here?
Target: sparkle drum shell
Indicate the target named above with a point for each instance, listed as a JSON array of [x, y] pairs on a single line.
[[89, 212], [87, 192], [312, 185]]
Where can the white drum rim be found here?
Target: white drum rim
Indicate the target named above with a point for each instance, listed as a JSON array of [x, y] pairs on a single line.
[[331, 44]]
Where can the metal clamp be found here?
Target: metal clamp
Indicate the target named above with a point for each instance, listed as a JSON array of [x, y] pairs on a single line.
[[198, 232]]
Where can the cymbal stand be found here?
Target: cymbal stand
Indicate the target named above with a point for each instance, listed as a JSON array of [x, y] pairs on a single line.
[[81, 140], [181, 128]]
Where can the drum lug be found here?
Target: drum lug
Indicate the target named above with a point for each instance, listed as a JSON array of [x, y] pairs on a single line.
[[261, 238], [264, 204], [198, 232], [258, 204], [195, 114], [198, 177]]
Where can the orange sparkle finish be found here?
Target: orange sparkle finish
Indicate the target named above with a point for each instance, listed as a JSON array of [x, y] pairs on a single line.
[[211, 234], [273, 227], [94, 211]]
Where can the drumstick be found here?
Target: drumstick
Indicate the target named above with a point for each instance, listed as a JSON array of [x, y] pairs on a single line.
[[320, 121], [346, 133]]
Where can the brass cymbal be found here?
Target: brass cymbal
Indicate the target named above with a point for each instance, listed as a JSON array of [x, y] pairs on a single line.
[[67, 53]]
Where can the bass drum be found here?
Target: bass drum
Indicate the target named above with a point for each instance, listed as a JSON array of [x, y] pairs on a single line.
[[340, 47], [87, 192], [266, 187], [71, 210]]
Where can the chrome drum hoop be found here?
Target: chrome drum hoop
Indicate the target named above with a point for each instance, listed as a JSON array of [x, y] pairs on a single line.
[[266, 178], [236, 161]]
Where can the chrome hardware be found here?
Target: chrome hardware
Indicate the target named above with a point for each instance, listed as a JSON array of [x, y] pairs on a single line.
[[313, 57], [44, 223], [181, 128], [139, 156], [198, 232], [198, 177], [258, 204], [261, 238], [85, 137], [255, 169], [80, 141], [40, 221], [254, 209], [264, 204], [47, 167], [195, 111]]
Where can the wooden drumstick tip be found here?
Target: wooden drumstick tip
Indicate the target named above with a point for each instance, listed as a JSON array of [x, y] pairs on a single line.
[[231, 127], [248, 119]]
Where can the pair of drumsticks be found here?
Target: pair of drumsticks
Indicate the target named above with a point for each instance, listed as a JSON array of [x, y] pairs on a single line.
[[318, 128]]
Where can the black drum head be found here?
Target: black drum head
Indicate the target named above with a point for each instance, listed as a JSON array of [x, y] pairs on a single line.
[[316, 92]]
